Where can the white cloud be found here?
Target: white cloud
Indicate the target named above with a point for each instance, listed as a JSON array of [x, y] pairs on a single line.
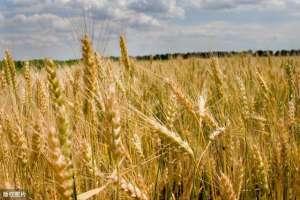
[[216, 35], [168, 8], [232, 4], [129, 12], [45, 26], [28, 22], [23, 24], [82, 3], [1, 17]]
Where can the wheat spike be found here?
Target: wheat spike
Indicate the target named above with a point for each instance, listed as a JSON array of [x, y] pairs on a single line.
[[41, 97], [217, 133], [289, 69], [124, 56], [226, 188], [38, 141], [21, 142], [90, 75], [11, 73], [61, 166], [240, 172], [28, 92], [76, 82], [291, 113], [17, 139], [171, 111], [113, 120], [7, 72], [263, 84], [218, 76], [59, 108], [88, 160], [65, 138], [100, 67], [2, 79], [182, 98], [138, 145], [8, 128], [132, 190], [245, 104], [260, 170], [203, 111], [171, 135]]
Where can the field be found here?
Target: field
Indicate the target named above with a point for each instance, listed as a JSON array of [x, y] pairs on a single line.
[[219, 128]]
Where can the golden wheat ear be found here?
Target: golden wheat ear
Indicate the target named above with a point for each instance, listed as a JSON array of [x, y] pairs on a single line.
[[182, 99], [58, 104], [171, 135], [260, 170], [124, 55], [41, 97], [61, 166], [37, 141], [11, 74], [129, 188], [90, 75], [226, 188], [113, 122]]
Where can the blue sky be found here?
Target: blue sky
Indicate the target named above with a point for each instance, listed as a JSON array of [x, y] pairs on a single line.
[[52, 28]]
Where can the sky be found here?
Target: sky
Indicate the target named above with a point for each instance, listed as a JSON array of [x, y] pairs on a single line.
[[53, 28]]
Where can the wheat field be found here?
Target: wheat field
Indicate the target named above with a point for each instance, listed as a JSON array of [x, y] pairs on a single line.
[[219, 128]]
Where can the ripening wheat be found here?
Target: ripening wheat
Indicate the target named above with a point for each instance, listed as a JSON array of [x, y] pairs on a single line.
[[217, 128]]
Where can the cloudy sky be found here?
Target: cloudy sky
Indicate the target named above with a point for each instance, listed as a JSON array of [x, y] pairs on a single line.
[[52, 28]]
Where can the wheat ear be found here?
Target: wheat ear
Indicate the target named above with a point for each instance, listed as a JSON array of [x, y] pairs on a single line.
[[63, 173], [113, 120], [245, 104], [124, 56], [226, 188], [260, 170], [38, 141], [183, 100], [171, 135], [28, 87], [132, 190], [11, 73], [41, 97], [90, 75], [59, 109]]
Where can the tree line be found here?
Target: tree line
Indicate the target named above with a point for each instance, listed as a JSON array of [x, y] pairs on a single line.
[[261, 53], [39, 63]]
